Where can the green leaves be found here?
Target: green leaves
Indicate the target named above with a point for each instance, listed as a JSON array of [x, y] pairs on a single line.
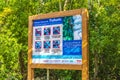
[[104, 40]]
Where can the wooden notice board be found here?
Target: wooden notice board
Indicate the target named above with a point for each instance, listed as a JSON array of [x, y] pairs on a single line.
[[58, 40]]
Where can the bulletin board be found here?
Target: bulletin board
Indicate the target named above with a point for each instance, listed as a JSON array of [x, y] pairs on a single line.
[[58, 40]]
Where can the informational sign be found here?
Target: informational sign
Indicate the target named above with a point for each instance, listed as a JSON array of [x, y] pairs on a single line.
[[58, 40]]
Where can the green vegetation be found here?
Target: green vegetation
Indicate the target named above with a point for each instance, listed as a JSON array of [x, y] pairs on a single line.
[[104, 37]]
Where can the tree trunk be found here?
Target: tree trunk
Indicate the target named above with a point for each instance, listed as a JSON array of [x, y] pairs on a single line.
[[65, 4], [96, 67], [22, 66], [60, 5]]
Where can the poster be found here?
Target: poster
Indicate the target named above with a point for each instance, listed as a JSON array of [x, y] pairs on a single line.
[[57, 40]]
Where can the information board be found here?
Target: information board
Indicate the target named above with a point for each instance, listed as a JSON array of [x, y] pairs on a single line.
[[57, 40]]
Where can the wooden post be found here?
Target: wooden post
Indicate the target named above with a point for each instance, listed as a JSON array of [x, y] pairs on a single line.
[[30, 73], [85, 68], [30, 69]]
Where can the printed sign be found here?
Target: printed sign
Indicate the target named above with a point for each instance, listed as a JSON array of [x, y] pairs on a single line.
[[57, 40]]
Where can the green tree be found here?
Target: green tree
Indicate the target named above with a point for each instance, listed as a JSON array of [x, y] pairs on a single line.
[[104, 40]]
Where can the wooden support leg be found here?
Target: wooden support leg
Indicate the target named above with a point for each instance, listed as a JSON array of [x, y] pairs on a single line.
[[85, 74], [30, 73]]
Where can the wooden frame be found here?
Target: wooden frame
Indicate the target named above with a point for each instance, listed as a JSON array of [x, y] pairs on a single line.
[[84, 67]]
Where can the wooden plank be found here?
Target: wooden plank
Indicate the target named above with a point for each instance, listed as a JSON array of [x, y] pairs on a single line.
[[85, 73], [30, 41], [32, 73], [56, 14], [57, 66]]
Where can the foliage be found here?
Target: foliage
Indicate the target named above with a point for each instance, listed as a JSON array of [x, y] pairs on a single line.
[[9, 48], [104, 39]]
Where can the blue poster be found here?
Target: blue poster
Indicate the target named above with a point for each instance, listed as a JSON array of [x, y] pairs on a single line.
[[57, 40]]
